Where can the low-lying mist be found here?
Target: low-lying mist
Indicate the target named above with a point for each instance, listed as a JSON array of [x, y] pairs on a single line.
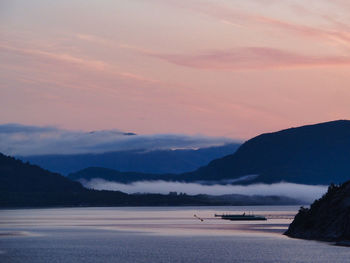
[[305, 193]]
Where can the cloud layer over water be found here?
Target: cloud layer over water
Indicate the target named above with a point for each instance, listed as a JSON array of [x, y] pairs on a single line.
[[306, 193]]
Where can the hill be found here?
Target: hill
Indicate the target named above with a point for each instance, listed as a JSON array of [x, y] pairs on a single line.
[[26, 185], [312, 154], [327, 219], [141, 161], [23, 184], [16, 176]]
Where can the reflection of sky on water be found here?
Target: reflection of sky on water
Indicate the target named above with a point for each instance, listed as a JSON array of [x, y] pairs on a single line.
[[143, 235], [160, 221]]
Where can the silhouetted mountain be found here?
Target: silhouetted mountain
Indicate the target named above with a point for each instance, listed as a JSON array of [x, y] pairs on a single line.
[[313, 154], [16, 176], [26, 185], [154, 162], [23, 184], [327, 219]]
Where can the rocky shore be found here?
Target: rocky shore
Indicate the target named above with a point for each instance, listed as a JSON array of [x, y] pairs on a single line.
[[327, 219]]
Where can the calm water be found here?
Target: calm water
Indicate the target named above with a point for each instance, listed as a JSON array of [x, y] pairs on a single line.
[[155, 235]]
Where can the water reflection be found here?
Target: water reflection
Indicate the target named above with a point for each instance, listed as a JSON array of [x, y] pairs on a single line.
[[162, 221], [74, 235]]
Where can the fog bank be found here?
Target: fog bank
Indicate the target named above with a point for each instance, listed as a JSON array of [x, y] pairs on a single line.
[[306, 193]]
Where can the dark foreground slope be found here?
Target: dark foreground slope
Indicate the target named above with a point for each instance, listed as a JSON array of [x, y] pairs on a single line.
[[327, 219], [313, 154]]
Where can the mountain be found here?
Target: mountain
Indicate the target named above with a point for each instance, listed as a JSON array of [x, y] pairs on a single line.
[[142, 161], [23, 184], [17, 177], [26, 185], [312, 154], [327, 219]]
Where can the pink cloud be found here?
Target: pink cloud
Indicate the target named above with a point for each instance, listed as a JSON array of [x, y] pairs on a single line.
[[95, 39], [65, 86], [304, 30], [249, 58], [67, 60], [226, 14], [59, 57]]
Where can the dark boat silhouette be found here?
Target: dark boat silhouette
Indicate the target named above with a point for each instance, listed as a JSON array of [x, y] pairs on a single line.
[[242, 217]]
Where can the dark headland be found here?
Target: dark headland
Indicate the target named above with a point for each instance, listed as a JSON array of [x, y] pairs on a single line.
[[327, 219]]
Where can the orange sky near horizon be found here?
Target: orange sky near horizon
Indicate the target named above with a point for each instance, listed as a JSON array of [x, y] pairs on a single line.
[[218, 68]]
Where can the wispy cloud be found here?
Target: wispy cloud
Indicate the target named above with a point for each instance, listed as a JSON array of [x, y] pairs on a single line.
[[61, 57], [235, 16], [16, 139], [250, 58], [308, 31], [306, 193], [95, 39]]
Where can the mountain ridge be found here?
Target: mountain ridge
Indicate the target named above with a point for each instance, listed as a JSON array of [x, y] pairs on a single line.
[[141, 161], [296, 155], [27, 185], [310, 154]]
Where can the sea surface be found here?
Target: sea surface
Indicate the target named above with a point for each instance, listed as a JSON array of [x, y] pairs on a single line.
[[154, 234]]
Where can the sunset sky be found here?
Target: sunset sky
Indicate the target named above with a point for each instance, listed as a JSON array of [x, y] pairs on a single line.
[[218, 68]]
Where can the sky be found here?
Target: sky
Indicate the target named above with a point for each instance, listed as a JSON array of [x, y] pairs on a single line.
[[225, 68]]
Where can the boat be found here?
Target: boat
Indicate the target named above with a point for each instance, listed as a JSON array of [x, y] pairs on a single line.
[[241, 217]]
